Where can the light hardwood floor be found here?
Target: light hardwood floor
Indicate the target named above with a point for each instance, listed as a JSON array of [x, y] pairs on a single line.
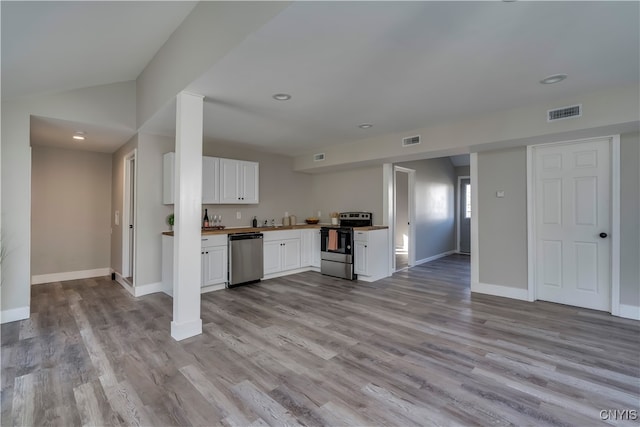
[[307, 349]]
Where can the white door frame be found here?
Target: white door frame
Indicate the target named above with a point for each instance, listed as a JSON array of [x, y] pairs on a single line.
[[459, 211], [412, 215], [615, 218], [126, 209]]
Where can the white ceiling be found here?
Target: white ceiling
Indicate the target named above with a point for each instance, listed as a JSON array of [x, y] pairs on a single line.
[[397, 65], [58, 133], [53, 46]]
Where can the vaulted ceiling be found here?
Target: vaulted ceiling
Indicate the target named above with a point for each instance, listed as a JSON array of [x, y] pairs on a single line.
[[396, 65]]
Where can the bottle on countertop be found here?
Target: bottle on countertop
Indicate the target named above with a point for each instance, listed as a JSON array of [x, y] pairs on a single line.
[[205, 220], [254, 222]]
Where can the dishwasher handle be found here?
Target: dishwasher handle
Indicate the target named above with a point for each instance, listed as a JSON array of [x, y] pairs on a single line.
[[245, 236]]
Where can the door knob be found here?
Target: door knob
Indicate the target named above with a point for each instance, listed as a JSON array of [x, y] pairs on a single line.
[[603, 235]]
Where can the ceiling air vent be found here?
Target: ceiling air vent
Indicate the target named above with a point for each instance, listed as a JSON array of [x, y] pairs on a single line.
[[318, 157], [410, 140], [564, 113]]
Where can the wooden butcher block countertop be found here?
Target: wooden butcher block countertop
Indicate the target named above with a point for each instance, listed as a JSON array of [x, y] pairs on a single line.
[[288, 227]]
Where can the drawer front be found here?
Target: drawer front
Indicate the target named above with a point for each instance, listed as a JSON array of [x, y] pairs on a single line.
[[209, 240], [361, 236], [281, 235]]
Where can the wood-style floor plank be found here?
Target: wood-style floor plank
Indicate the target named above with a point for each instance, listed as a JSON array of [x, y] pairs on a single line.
[[410, 350]]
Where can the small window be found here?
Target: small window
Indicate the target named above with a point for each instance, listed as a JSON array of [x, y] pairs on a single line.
[[467, 211]]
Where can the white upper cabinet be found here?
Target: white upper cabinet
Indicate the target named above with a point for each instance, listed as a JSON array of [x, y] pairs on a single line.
[[210, 180], [239, 181], [223, 181]]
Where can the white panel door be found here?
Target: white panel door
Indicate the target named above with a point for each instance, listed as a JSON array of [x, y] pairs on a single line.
[[229, 181], [272, 254], [572, 220], [361, 257], [210, 180], [214, 265], [291, 254], [250, 181]]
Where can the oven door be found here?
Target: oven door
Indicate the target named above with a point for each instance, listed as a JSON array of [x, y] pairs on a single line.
[[336, 244]]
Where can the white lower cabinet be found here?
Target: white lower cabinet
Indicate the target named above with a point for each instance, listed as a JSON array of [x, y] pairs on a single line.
[[361, 258], [213, 268], [214, 265], [371, 254], [310, 249], [281, 251]]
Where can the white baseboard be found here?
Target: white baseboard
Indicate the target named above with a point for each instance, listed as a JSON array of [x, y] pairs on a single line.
[[124, 283], [286, 273], [150, 288], [138, 291], [70, 275], [15, 314], [435, 257], [181, 331], [629, 311], [500, 291], [212, 288]]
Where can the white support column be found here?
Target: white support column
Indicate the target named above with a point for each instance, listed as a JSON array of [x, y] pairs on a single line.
[[188, 200]]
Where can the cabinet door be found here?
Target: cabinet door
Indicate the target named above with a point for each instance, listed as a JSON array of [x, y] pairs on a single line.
[[306, 248], [291, 254], [214, 262], [210, 180], [229, 181], [360, 263], [272, 253], [315, 249], [168, 174], [249, 181]]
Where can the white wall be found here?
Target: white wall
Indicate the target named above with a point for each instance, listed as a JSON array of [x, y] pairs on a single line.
[[108, 105], [434, 205], [345, 191], [604, 113], [117, 201], [151, 213], [630, 219], [402, 207], [71, 204], [502, 222], [210, 31], [281, 189]]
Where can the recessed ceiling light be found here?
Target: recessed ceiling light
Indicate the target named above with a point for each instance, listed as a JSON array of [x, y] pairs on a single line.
[[365, 126], [282, 96], [555, 78]]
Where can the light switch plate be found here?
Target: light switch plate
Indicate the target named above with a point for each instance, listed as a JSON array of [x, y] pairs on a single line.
[[500, 194], [238, 215], [117, 218]]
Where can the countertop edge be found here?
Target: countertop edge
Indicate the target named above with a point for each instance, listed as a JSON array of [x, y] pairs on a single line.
[[282, 228]]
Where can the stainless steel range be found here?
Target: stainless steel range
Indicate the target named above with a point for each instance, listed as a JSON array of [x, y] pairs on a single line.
[[336, 256]]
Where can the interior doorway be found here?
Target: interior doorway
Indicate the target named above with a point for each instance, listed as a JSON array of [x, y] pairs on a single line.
[[404, 239], [464, 215], [129, 218]]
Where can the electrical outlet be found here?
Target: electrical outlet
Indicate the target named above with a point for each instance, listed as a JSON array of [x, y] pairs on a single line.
[[238, 215], [319, 214], [286, 214]]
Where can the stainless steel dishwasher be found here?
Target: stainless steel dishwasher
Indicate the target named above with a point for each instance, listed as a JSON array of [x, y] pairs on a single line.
[[245, 258]]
